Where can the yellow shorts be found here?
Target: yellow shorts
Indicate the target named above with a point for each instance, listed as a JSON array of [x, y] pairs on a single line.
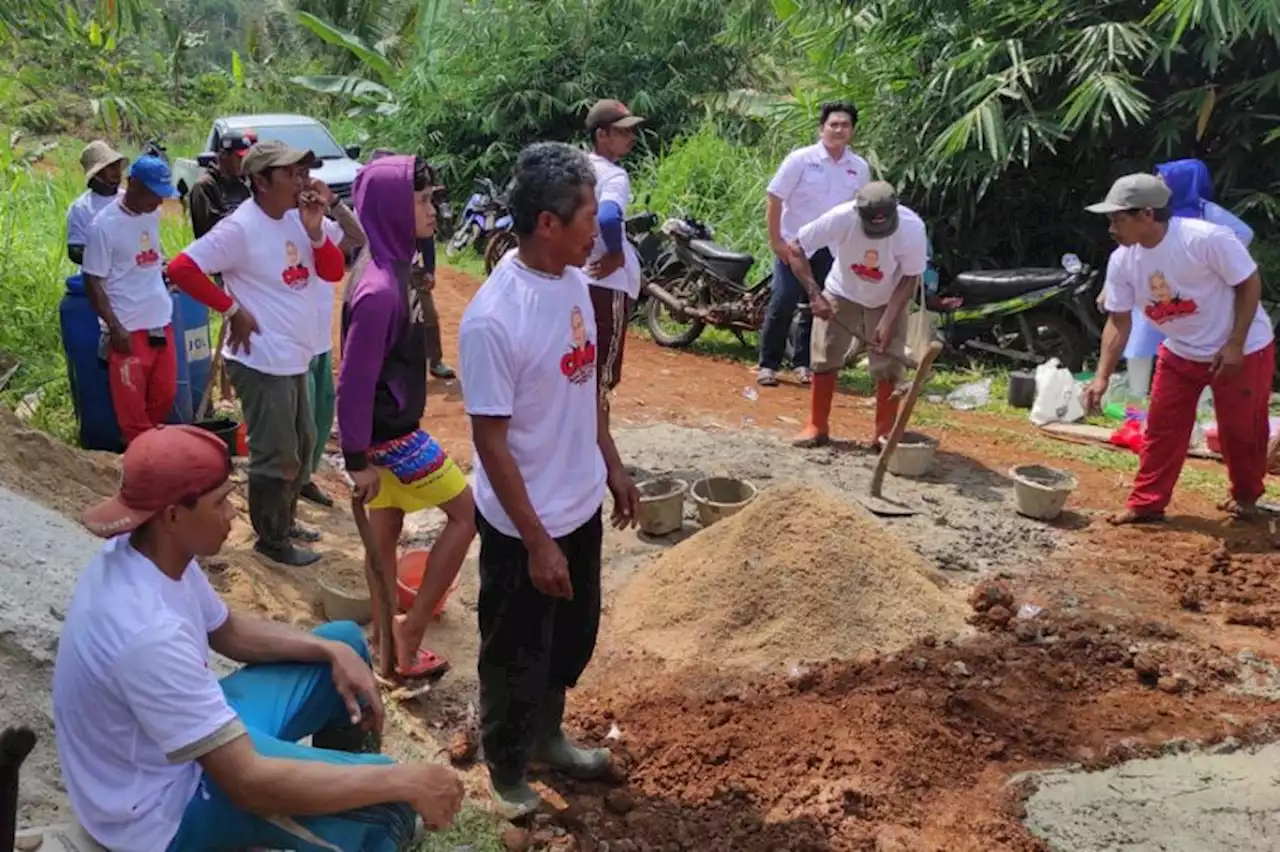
[[414, 473]]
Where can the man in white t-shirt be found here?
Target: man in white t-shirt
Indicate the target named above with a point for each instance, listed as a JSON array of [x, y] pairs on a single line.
[[103, 172], [613, 266], [123, 271], [1198, 284], [810, 181], [267, 252], [543, 459], [343, 228], [880, 251], [156, 753]]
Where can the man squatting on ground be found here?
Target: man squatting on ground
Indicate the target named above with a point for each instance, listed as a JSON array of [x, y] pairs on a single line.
[[1197, 283], [613, 267], [880, 252], [424, 274], [396, 467], [343, 227], [810, 181], [103, 174], [266, 253], [156, 753], [543, 457]]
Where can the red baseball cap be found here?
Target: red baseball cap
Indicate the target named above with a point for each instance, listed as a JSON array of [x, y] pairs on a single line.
[[160, 468]]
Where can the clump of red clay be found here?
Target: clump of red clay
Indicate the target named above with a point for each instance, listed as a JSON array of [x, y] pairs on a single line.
[[906, 753]]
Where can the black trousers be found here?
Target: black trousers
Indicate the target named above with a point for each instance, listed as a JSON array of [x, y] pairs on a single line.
[[531, 645]]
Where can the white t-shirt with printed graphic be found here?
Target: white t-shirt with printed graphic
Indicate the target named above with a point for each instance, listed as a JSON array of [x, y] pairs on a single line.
[[613, 184], [867, 270], [123, 249], [135, 701], [267, 265], [809, 183], [323, 293], [1186, 287], [528, 352]]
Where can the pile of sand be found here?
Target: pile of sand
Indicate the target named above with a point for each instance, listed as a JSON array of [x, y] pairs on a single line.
[[63, 478], [799, 575]]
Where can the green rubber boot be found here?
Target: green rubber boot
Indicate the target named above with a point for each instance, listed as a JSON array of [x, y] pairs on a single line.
[[555, 750], [513, 799]]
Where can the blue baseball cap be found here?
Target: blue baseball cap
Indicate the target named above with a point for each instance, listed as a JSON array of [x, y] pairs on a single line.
[[154, 174]]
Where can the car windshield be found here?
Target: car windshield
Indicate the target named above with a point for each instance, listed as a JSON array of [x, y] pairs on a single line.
[[311, 137]]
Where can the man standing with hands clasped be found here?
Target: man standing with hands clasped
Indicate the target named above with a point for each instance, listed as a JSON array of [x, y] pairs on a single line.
[[810, 181], [543, 458], [880, 253], [1197, 283], [267, 252]]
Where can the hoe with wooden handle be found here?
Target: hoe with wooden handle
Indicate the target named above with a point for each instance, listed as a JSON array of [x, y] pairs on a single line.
[[875, 501]]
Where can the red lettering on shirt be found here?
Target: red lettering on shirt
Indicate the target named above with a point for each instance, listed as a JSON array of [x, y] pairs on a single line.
[[296, 277], [150, 257], [868, 273], [1163, 312], [579, 363]]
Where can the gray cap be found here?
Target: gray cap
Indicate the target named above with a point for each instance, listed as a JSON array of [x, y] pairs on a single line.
[[1139, 191], [273, 154], [611, 113], [877, 205]]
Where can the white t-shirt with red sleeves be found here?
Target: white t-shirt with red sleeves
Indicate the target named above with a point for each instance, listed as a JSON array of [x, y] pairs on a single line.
[[267, 265], [135, 700], [809, 183], [866, 269], [323, 293], [123, 249], [528, 353], [1186, 287]]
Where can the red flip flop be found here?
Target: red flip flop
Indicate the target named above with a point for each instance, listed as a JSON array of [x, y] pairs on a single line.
[[425, 664]]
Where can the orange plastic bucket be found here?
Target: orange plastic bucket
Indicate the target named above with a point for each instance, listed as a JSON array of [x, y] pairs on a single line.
[[410, 569], [242, 441]]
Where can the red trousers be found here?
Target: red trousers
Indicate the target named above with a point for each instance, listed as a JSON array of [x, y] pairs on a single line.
[[1240, 404], [143, 383]]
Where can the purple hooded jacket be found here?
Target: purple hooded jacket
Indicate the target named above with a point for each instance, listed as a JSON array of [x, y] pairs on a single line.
[[382, 383]]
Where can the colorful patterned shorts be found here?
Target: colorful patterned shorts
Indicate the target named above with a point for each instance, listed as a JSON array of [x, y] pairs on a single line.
[[414, 473]]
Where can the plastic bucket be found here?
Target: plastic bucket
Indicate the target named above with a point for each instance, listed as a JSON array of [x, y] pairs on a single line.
[[225, 428], [913, 456], [1041, 492], [718, 497], [661, 505], [339, 605], [411, 568]]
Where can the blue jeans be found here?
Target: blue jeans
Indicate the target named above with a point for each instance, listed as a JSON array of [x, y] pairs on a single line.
[[788, 292], [280, 703]]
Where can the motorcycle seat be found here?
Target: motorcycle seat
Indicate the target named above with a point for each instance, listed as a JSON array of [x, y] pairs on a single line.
[[990, 285], [711, 251]]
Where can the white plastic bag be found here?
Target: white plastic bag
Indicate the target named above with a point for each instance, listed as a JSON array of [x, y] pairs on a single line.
[[921, 327], [1057, 395]]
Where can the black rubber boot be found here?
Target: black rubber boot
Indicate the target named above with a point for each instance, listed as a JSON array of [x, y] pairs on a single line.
[[297, 531], [271, 511], [554, 749], [312, 493]]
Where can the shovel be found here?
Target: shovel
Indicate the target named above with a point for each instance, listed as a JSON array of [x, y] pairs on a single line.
[[379, 592], [875, 502]]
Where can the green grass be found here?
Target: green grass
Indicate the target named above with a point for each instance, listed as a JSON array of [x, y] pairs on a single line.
[[475, 830]]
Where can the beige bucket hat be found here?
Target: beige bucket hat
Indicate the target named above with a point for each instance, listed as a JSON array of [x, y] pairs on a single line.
[[96, 156]]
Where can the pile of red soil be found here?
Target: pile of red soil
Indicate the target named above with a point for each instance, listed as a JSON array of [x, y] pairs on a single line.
[[903, 754], [1244, 587]]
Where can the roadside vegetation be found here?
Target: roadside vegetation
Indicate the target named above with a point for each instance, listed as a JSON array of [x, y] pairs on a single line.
[[997, 120]]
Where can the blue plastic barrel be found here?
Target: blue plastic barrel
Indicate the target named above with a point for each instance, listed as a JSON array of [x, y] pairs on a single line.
[[90, 387], [195, 354]]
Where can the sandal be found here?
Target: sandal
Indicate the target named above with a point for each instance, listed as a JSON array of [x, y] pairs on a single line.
[[1238, 510], [425, 664]]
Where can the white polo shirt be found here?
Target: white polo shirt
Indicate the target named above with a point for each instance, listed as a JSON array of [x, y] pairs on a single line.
[[866, 270], [809, 183]]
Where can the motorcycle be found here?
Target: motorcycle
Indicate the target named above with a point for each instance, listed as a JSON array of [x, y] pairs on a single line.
[[445, 218], [1024, 315], [638, 229], [701, 283], [484, 215]]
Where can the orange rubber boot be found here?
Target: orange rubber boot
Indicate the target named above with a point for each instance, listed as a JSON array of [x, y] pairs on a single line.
[[886, 409], [821, 392]]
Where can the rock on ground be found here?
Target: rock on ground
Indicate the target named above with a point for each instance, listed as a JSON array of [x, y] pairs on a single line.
[[1179, 803]]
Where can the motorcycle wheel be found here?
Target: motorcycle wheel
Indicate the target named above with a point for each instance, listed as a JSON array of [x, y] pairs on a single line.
[[499, 244], [664, 336], [1058, 337], [461, 240]]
